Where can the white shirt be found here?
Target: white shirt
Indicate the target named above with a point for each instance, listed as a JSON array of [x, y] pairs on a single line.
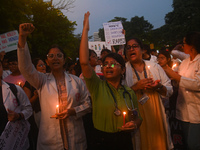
[[153, 59], [188, 101], [179, 54]]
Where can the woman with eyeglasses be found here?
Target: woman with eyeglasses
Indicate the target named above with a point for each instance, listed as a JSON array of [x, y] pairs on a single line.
[[150, 83], [188, 100], [63, 98], [109, 99]]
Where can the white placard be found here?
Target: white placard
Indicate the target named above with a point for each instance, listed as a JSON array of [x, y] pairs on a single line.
[[14, 135], [9, 41], [113, 33], [98, 46]]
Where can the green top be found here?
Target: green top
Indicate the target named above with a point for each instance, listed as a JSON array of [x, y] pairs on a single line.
[[103, 104]]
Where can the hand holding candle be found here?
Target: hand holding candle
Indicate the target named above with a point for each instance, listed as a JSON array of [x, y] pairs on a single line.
[[173, 66], [124, 116], [57, 109]]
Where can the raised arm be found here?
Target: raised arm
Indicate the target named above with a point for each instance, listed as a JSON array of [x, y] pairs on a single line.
[[84, 51], [24, 30], [24, 58]]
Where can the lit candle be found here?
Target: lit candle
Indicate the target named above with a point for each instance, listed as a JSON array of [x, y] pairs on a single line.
[[19, 83], [173, 66], [149, 70], [124, 115], [57, 109]]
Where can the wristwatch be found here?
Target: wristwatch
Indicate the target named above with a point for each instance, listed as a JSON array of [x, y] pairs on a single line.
[[160, 88]]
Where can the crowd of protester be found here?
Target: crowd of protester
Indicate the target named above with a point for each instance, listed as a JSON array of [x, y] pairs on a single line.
[[115, 101]]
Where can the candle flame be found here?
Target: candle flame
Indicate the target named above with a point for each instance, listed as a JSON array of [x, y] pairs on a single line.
[[173, 66], [57, 106], [124, 113], [148, 67]]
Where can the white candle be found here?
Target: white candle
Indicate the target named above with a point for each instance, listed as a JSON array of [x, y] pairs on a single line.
[[57, 109], [173, 66], [148, 71]]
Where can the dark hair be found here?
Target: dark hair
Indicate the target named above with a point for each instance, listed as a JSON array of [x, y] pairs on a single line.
[[91, 51], [193, 39], [116, 57], [56, 46], [119, 59], [105, 50], [35, 61], [147, 47], [12, 58], [137, 40], [167, 55]]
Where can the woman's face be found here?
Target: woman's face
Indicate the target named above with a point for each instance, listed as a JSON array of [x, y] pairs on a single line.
[[112, 70], [93, 59], [187, 48], [133, 51], [55, 59], [41, 66], [162, 60]]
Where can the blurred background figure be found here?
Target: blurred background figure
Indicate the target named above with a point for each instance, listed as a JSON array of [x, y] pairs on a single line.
[[188, 104], [164, 59], [70, 67], [104, 52], [6, 69], [147, 54], [15, 77], [32, 94]]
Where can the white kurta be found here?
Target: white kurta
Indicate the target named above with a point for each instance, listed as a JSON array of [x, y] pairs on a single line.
[[49, 137]]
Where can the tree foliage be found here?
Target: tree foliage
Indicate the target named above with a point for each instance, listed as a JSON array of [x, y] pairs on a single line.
[[63, 4], [183, 19], [51, 26]]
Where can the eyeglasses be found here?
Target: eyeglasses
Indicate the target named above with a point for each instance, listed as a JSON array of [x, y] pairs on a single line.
[[134, 46], [112, 65], [58, 55], [42, 65]]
